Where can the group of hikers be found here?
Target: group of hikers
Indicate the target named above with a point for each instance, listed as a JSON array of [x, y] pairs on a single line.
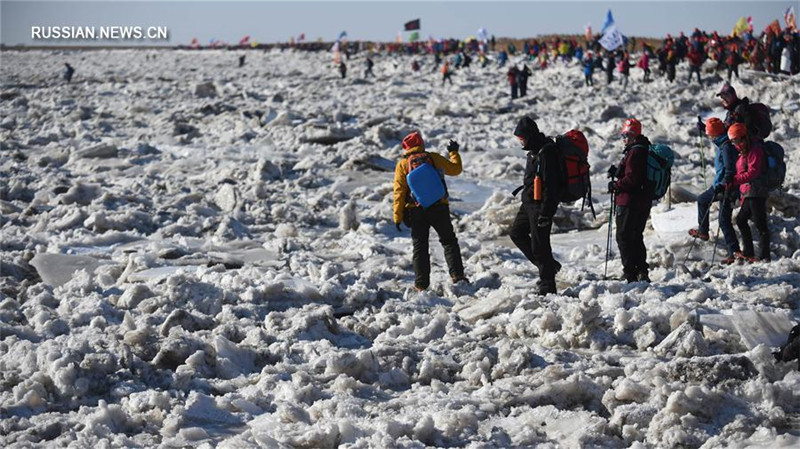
[[557, 172]]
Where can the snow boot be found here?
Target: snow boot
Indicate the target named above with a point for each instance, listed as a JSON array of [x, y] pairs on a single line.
[[698, 235], [546, 287]]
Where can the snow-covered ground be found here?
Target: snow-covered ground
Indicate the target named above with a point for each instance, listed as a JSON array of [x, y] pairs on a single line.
[[189, 270]]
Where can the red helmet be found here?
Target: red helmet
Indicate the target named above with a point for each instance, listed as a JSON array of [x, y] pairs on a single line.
[[632, 126], [737, 131], [578, 139], [413, 140], [714, 127]]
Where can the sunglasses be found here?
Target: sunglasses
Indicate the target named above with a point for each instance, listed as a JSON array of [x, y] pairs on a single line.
[[738, 141]]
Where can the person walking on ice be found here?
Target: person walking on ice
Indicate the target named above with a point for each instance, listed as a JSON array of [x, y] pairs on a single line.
[[632, 201], [421, 202], [541, 193]]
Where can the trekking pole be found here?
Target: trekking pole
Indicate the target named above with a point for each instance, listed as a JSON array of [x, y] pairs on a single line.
[[702, 161], [608, 239], [694, 240], [716, 236]]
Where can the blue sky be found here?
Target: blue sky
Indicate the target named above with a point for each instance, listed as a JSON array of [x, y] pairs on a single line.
[[272, 21]]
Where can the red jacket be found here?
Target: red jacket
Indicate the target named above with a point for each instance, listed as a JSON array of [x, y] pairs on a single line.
[[749, 168], [633, 174], [695, 58]]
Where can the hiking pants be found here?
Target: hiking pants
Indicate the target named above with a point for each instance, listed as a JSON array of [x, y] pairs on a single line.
[[704, 202], [534, 242], [755, 208], [630, 240], [446, 77], [692, 70], [513, 91], [523, 89], [589, 80], [731, 70], [438, 218]]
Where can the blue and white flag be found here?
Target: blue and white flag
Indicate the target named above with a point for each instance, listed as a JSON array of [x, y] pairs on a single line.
[[342, 35], [609, 22], [612, 39]]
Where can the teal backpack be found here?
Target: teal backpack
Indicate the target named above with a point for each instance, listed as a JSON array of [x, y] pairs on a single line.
[[659, 167]]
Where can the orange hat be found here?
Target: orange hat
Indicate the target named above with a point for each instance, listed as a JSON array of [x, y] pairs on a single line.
[[737, 131], [714, 127], [413, 140], [632, 126]]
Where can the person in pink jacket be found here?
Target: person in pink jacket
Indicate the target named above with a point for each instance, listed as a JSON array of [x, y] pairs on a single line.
[[751, 180]]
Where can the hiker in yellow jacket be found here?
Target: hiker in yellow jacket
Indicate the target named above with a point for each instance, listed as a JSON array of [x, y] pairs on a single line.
[[407, 209]]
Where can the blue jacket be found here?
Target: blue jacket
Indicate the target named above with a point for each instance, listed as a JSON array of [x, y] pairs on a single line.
[[724, 160], [588, 67]]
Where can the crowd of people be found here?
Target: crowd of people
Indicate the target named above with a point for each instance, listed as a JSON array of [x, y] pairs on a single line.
[[743, 177]]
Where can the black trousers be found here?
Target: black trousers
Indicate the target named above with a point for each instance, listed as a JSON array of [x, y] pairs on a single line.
[[534, 242], [755, 209], [630, 240], [421, 221]]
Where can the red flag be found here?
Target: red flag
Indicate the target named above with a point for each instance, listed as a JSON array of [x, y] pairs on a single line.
[[244, 40]]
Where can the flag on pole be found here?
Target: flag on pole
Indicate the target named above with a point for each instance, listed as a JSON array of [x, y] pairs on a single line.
[[609, 22], [612, 39], [412, 25], [740, 27], [483, 34], [244, 40], [414, 36], [342, 35], [788, 17], [301, 37], [774, 27]]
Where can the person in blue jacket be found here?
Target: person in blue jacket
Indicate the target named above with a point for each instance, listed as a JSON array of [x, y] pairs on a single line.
[[588, 69], [725, 166]]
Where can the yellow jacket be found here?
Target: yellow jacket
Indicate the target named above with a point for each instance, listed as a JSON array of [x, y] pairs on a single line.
[[451, 167]]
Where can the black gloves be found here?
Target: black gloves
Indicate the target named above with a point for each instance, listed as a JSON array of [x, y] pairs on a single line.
[[612, 171], [544, 222], [397, 225], [452, 147], [612, 186], [701, 127]]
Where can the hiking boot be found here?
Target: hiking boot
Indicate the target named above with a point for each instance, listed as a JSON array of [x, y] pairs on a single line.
[[729, 260], [740, 256], [698, 235], [420, 288], [643, 277], [459, 278], [546, 287]]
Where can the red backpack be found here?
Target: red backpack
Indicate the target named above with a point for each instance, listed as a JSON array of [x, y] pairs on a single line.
[[574, 152]]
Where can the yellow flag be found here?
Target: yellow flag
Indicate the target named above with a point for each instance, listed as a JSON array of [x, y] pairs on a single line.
[[741, 27]]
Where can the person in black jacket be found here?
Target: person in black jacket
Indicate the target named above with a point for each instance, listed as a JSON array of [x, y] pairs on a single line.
[[522, 79], [68, 72], [531, 228], [631, 201]]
